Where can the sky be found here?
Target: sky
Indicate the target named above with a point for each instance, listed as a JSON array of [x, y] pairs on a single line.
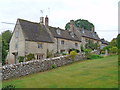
[[102, 13]]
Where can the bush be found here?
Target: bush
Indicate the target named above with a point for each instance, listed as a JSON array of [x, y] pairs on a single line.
[[113, 50], [94, 56], [30, 57], [9, 87], [21, 58], [73, 54], [64, 53], [53, 66], [87, 53], [102, 52], [49, 54], [73, 49]]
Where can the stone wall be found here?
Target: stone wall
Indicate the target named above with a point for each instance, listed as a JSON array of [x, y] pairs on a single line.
[[25, 68]]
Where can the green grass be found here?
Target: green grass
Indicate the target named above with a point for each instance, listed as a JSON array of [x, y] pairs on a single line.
[[98, 73]]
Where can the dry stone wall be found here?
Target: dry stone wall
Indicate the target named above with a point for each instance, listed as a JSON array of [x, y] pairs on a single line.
[[25, 68]]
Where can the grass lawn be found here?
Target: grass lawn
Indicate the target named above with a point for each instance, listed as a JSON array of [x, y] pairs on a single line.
[[98, 73]]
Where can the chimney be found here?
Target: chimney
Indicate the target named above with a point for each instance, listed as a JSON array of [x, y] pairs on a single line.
[[71, 25], [46, 20], [41, 20]]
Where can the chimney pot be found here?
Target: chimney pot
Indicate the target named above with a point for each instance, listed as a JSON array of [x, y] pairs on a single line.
[[46, 20]]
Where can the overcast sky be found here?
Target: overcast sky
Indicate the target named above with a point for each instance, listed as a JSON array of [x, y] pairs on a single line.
[[102, 13]]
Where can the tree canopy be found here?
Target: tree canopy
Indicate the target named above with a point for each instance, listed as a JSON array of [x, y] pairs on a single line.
[[4, 44], [81, 23]]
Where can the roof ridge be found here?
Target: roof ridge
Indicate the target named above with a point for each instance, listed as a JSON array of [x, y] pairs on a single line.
[[27, 21]]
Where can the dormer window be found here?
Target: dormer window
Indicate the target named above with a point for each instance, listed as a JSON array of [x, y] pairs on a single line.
[[83, 31], [58, 31], [93, 35], [72, 34]]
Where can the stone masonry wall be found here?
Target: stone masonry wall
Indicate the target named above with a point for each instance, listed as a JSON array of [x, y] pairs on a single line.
[[25, 68]]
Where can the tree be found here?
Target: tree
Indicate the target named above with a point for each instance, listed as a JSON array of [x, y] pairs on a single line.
[[6, 35], [81, 23], [118, 46], [91, 45], [0, 49], [113, 50], [113, 43], [4, 51], [4, 45]]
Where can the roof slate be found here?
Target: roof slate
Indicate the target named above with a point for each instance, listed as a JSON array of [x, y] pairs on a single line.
[[104, 42], [38, 32], [34, 31], [89, 34], [64, 34]]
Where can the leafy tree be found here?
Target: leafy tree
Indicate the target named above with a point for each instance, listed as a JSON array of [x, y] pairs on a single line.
[[0, 49], [118, 45], [113, 43], [4, 51], [91, 45], [6, 35], [81, 23], [113, 50]]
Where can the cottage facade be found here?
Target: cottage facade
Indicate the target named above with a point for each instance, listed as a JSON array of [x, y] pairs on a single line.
[[37, 38]]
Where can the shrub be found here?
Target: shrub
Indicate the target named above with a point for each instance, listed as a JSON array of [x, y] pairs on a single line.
[[113, 50], [9, 87], [53, 66], [64, 53], [102, 52], [21, 58], [94, 56], [49, 54], [82, 48], [87, 53], [73, 54], [73, 49], [30, 57]]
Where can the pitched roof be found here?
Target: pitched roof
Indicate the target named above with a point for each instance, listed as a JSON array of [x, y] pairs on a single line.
[[64, 34], [89, 34], [34, 31], [38, 32], [104, 42]]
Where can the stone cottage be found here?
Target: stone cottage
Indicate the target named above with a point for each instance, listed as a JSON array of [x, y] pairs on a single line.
[[38, 38]]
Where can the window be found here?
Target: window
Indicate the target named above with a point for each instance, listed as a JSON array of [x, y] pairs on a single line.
[[76, 44], [16, 45], [16, 34], [62, 42], [72, 34], [83, 31], [39, 56], [40, 45], [58, 31]]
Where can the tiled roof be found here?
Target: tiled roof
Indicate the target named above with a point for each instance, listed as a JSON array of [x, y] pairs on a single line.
[[89, 34], [34, 31], [104, 42], [38, 32], [64, 34]]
